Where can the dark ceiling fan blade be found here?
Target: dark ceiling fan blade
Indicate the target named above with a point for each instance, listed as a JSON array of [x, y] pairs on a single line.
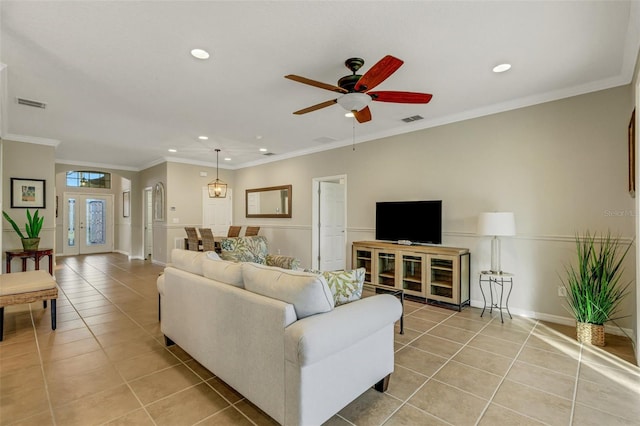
[[316, 107], [363, 115], [314, 83], [378, 73], [401, 97]]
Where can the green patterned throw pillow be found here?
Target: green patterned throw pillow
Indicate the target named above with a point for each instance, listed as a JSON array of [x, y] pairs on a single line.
[[346, 286]]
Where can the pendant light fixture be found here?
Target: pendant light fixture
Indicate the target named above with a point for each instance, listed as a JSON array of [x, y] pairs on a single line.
[[217, 189]]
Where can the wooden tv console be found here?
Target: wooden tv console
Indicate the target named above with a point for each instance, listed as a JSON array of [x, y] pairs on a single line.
[[432, 273]]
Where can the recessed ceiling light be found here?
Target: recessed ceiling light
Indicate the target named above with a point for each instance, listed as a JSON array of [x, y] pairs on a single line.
[[227, 159], [200, 54], [172, 150], [348, 114], [203, 138], [502, 68], [263, 149]]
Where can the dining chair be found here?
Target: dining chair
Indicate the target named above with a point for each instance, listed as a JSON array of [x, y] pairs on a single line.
[[208, 242], [234, 231], [192, 238], [251, 231]]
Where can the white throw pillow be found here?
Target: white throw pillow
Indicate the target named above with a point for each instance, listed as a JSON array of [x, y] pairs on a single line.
[[308, 293], [223, 271]]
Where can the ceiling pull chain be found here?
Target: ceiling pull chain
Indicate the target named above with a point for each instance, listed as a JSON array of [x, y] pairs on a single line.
[[354, 132]]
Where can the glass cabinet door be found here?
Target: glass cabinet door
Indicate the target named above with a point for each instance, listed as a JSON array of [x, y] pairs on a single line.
[[412, 277], [441, 278], [386, 272], [363, 260]]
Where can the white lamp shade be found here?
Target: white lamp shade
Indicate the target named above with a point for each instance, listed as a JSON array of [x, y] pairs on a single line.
[[354, 101], [497, 223]]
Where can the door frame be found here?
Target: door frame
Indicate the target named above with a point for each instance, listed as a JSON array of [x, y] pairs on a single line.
[[315, 217], [111, 218], [147, 211]]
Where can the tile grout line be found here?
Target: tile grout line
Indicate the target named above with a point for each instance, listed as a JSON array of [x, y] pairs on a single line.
[[180, 361], [406, 401], [515, 358], [103, 350], [44, 377], [575, 386]]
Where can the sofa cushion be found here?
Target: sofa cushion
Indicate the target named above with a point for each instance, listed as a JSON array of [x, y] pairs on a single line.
[[223, 271], [244, 249], [308, 293], [187, 260]]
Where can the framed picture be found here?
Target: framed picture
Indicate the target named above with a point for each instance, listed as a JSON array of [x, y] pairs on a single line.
[[126, 204], [28, 193], [632, 154]]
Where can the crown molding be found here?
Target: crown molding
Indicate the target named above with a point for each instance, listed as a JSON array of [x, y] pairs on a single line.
[[31, 139]]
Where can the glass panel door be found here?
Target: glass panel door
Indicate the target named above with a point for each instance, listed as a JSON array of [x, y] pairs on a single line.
[[89, 223]]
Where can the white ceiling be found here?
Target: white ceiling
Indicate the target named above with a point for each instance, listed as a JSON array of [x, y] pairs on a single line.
[[121, 87]]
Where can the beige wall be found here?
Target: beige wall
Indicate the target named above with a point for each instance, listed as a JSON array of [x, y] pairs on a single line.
[[148, 179], [561, 167], [29, 161], [184, 197]]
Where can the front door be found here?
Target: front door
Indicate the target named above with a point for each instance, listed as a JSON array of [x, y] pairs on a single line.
[[88, 221]]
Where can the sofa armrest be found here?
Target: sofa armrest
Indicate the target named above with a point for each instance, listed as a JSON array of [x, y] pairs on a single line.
[[284, 262], [314, 338]]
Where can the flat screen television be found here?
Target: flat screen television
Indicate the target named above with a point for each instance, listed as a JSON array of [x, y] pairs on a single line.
[[417, 221]]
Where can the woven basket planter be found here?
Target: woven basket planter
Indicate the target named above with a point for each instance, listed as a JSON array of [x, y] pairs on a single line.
[[592, 334]]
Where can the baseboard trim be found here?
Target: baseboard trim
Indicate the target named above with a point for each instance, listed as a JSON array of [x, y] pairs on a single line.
[[557, 319]]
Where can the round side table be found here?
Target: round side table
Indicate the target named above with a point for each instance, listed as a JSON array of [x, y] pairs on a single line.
[[495, 280]]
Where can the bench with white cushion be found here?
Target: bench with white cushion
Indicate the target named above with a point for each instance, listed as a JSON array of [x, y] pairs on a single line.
[[27, 287]]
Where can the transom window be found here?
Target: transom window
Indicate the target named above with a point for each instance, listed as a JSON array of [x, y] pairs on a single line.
[[89, 179]]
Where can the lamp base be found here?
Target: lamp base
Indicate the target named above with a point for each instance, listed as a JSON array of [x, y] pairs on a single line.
[[495, 256]]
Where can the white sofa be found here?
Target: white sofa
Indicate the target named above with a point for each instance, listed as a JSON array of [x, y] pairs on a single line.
[[275, 336]]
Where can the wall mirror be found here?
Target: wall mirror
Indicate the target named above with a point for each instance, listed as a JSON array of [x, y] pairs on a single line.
[[273, 201]]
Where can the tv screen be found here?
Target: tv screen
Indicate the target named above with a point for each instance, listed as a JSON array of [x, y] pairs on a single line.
[[416, 221]]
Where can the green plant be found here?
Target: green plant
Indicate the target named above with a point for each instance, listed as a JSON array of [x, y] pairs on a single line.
[[33, 225], [594, 287]]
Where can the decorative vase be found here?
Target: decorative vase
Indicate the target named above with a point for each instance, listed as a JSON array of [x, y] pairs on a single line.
[[30, 244], [592, 334]]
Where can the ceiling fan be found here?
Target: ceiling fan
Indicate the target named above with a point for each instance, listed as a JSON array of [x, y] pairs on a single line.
[[356, 89]]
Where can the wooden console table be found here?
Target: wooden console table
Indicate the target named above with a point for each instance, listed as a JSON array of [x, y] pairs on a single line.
[[36, 255]]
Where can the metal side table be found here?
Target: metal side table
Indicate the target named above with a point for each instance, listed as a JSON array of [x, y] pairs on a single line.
[[495, 280]]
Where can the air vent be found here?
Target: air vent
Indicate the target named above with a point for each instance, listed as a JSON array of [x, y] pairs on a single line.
[[31, 103], [412, 118], [268, 154]]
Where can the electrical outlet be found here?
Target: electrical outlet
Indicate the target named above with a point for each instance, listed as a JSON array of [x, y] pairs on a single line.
[[562, 292]]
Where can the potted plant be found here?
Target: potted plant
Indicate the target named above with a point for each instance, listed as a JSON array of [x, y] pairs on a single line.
[[32, 227], [594, 287]]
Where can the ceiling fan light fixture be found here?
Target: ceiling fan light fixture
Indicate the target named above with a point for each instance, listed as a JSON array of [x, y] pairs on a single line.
[[217, 188], [349, 114], [354, 101]]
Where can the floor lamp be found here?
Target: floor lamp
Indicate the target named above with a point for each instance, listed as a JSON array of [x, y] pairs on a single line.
[[496, 224]]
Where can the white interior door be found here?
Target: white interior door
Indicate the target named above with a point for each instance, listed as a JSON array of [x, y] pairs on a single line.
[[88, 220], [148, 223], [332, 226], [217, 213]]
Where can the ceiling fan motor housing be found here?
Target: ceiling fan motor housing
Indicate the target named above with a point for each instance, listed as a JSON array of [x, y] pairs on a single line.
[[348, 82]]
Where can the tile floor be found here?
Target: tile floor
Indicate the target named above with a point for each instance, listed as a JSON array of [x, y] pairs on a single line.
[[107, 364]]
